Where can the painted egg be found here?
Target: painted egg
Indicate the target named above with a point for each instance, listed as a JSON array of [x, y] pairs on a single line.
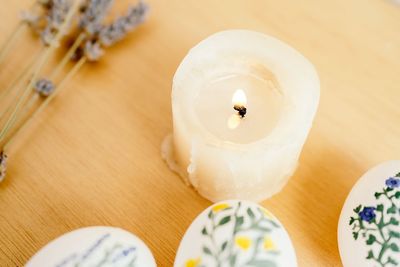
[[235, 233], [369, 231], [94, 246]]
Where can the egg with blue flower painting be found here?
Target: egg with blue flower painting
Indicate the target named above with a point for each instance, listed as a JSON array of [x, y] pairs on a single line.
[[369, 225], [94, 246], [236, 233]]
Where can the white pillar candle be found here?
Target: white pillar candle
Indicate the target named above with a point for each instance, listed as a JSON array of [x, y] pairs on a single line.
[[222, 150]]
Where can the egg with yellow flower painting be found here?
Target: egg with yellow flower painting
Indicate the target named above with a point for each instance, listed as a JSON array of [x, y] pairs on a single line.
[[236, 233]]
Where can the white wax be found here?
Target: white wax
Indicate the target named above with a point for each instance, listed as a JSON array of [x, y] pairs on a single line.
[[214, 107], [254, 160]]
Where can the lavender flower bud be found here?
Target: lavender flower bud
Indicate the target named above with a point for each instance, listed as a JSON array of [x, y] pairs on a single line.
[[55, 19], [58, 13], [3, 165], [93, 50], [116, 31], [44, 87], [29, 18], [94, 12], [47, 35], [136, 15], [37, 21]]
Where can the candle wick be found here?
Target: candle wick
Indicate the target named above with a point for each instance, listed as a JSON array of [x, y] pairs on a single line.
[[242, 110]]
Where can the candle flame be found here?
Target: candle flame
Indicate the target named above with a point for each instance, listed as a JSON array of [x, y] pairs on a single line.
[[239, 101], [239, 98]]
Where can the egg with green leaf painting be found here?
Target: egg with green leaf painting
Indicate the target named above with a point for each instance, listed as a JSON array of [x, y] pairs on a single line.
[[236, 233], [369, 225]]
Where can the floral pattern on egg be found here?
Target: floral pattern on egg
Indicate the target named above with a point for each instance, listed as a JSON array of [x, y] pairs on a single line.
[[108, 252], [377, 225], [98, 246], [246, 242]]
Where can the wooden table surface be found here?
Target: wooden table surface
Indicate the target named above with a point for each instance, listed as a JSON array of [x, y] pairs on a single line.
[[93, 156]]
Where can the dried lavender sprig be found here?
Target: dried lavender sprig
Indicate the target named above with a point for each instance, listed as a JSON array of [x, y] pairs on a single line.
[[93, 13], [126, 25], [60, 33], [45, 87], [117, 30]]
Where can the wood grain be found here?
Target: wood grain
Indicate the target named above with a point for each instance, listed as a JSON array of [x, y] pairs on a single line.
[[93, 157]]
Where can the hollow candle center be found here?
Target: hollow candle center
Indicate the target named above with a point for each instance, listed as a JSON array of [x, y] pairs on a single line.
[[258, 105]]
